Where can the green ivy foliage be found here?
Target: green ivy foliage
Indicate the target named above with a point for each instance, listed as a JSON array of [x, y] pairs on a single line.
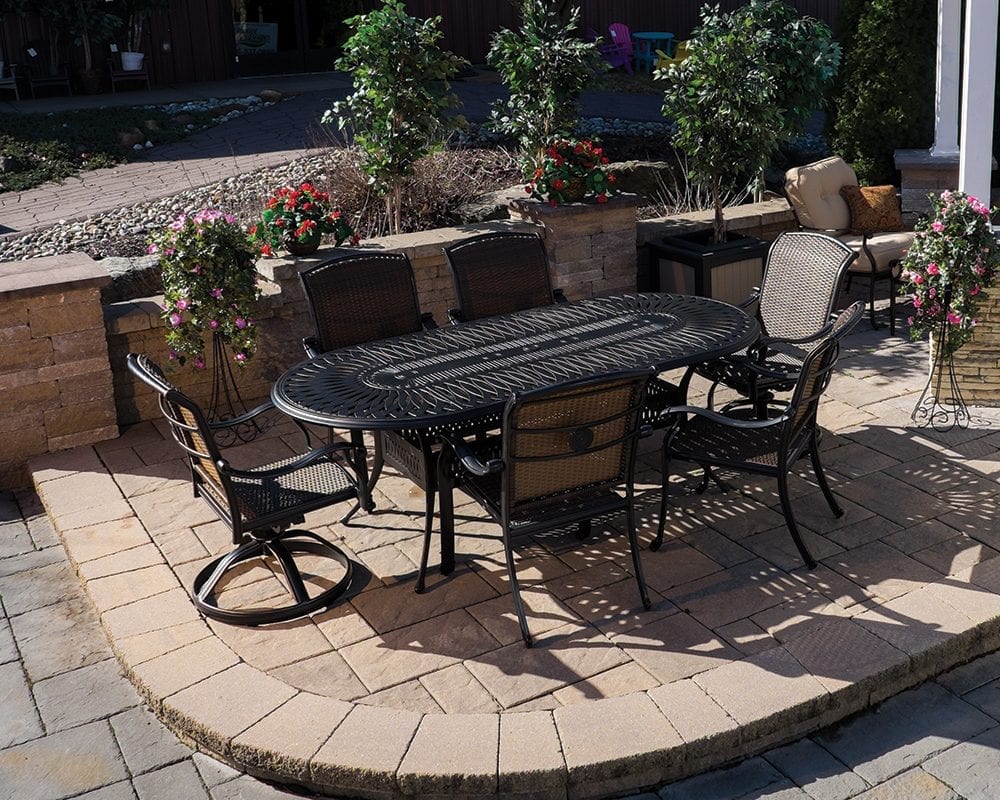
[[751, 79], [546, 67], [401, 93], [885, 96]]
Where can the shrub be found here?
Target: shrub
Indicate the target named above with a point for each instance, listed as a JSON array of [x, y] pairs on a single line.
[[751, 78], [885, 97], [546, 67], [396, 112]]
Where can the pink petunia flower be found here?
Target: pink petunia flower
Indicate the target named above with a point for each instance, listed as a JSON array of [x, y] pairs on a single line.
[[240, 323], [241, 356], [199, 362], [183, 304], [175, 319], [937, 227], [954, 318], [217, 293], [213, 324], [933, 269]]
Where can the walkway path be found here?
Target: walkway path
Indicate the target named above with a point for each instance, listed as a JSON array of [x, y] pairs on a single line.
[[265, 138]]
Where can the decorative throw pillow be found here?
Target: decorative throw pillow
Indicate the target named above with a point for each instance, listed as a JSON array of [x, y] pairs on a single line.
[[873, 208]]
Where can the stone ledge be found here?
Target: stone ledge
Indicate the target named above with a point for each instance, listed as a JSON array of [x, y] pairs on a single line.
[[49, 274]]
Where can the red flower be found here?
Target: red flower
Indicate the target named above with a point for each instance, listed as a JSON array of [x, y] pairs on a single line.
[[558, 184], [602, 198]]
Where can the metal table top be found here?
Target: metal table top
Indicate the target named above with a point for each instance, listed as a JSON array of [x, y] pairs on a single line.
[[461, 372]]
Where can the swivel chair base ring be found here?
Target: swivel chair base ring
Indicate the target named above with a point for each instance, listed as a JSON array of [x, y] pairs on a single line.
[[282, 547]]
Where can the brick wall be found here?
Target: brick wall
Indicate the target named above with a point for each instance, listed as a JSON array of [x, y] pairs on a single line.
[[63, 379], [977, 363], [55, 378]]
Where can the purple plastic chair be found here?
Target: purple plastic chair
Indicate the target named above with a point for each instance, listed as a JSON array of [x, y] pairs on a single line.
[[618, 52]]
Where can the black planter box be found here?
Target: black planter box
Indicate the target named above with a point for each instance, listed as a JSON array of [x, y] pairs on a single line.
[[692, 264]]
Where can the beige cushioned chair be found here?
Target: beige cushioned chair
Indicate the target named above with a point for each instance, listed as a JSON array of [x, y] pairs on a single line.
[[814, 194]]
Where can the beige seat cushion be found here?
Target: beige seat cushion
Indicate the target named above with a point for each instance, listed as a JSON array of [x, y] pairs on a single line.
[[884, 247], [814, 192]]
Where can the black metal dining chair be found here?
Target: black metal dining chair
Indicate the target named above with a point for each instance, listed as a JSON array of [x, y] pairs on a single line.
[[762, 446], [258, 506], [794, 305], [499, 273], [361, 298], [566, 455]]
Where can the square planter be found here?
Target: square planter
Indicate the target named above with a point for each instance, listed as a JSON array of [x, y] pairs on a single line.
[[692, 264]]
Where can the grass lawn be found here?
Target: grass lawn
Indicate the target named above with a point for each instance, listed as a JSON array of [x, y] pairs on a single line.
[[37, 148]]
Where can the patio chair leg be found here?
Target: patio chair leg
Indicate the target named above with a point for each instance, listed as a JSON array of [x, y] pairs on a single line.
[[377, 463], [633, 544], [583, 530], [786, 507], [282, 547], [892, 305], [871, 303], [515, 589], [831, 499], [665, 471]]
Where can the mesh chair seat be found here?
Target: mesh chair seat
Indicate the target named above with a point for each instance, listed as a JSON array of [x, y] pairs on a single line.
[[321, 482], [728, 444]]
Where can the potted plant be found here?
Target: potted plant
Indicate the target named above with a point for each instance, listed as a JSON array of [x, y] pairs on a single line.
[[571, 170], [751, 79], [134, 14], [296, 218], [209, 287]]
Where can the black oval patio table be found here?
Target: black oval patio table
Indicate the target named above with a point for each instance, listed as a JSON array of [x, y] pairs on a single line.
[[432, 380], [449, 375]]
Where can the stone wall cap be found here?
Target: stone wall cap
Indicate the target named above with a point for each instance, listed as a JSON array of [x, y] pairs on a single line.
[[538, 208], [51, 273]]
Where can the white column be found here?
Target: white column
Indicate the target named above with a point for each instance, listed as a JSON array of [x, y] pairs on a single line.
[[979, 79], [949, 64]]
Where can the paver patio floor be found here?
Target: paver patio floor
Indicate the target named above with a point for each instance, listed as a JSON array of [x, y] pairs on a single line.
[[390, 692]]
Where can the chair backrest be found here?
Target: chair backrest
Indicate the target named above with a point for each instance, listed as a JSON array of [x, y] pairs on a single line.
[[817, 369], [190, 429], [621, 36], [802, 277], [499, 273], [562, 443], [361, 298], [813, 191]]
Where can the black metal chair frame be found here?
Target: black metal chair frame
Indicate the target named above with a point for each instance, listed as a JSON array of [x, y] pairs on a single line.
[[258, 505], [794, 306], [499, 273], [491, 471], [762, 446], [412, 453], [36, 69]]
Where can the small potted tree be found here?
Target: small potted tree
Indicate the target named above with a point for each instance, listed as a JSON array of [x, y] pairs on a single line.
[[134, 14], [751, 79]]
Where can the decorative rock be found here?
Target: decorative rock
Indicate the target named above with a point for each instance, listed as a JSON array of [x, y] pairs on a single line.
[[270, 95], [130, 138]]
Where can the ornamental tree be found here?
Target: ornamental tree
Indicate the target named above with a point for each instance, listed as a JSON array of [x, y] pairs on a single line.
[[546, 67], [751, 79], [401, 93]]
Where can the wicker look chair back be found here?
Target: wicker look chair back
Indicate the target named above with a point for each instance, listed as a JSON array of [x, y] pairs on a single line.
[[190, 429], [801, 281], [361, 298], [258, 505], [565, 442], [499, 273]]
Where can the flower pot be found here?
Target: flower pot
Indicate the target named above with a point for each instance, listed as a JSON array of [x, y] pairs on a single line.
[[576, 190], [297, 247], [693, 264], [132, 62]]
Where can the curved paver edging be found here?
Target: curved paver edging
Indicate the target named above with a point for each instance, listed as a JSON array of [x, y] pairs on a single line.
[[211, 698]]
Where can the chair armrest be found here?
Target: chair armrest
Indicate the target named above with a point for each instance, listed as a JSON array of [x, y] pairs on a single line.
[[558, 296], [222, 424], [770, 341], [311, 345], [303, 461], [470, 461], [752, 298], [427, 320], [722, 419], [455, 316]]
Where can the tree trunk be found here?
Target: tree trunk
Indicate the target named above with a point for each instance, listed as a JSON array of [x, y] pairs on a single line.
[[720, 220]]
